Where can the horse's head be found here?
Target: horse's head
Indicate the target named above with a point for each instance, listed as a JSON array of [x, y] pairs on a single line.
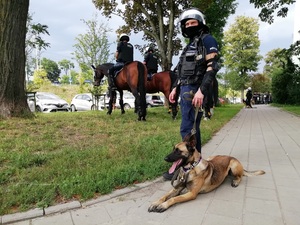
[[100, 71]]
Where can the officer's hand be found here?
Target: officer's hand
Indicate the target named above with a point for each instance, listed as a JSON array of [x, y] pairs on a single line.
[[198, 98]]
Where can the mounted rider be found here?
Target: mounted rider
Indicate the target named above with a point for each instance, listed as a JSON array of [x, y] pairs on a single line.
[[123, 55], [151, 62]]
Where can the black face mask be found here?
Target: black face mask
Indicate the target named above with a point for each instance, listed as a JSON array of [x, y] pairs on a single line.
[[192, 31]]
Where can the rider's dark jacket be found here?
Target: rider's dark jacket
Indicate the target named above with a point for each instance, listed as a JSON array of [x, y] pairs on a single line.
[[125, 51], [151, 62]]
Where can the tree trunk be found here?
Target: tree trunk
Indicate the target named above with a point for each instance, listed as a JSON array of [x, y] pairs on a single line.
[[13, 17]]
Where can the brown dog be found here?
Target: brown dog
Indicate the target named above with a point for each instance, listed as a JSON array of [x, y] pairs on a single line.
[[198, 175]]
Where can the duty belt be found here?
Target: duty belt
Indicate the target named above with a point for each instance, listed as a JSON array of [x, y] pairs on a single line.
[[187, 82]]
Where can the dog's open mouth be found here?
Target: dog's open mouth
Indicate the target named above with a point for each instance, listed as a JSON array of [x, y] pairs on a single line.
[[174, 166]]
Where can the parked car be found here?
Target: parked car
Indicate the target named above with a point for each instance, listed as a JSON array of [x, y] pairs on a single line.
[[154, 100], [85, 101], [49, 102], [128, 100]]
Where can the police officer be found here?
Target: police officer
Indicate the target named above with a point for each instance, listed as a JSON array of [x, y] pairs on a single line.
[[151, 62], [249, 97], [124, 54], [197, 69]]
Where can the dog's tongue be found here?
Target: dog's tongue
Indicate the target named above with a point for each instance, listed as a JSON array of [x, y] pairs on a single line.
[[175, 164]]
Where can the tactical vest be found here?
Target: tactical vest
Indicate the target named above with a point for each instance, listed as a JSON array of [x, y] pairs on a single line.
[[152, 62], [192, 63], [126, 53]]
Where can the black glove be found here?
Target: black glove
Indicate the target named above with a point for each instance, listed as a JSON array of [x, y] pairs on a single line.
[[208, 78]]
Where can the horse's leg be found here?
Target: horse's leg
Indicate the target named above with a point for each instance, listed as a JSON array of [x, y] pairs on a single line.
[[112, 96], [136, 101], [121, 102], [142, 79], [135, 105]]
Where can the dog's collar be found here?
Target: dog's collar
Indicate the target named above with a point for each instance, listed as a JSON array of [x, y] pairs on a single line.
[[181, 174], [195, 163]]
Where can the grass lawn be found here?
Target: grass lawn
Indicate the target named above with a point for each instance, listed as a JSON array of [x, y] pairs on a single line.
[[295, 109], [58, 157]]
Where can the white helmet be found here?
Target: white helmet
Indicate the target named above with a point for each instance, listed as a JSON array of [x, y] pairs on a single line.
[[249, 88], [124, 37], [192, 13]]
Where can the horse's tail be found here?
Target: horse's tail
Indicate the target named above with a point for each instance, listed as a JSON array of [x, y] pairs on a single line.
[[142, 87]]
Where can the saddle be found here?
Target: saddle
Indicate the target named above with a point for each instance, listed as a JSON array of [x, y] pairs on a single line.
[[117, 71]]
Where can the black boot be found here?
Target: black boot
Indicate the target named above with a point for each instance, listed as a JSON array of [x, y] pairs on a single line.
[[111, 83]]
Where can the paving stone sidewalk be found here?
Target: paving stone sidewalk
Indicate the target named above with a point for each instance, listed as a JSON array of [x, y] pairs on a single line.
[[261, 138]]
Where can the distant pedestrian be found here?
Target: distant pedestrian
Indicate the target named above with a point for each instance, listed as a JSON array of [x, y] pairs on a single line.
[[249, 97]]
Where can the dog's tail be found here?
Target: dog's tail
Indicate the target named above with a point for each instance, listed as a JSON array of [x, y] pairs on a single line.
[[253, 173]]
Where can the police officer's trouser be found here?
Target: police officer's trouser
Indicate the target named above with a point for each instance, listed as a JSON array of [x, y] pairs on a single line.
[[188, 113]]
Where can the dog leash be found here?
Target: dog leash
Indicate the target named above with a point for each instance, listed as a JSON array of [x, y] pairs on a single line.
[[193, 131], [180, 174], [181, 177]]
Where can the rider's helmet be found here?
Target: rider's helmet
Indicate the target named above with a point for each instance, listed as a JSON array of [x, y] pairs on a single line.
[[192, 13], [249, 88], [150, 49], [124, 37]]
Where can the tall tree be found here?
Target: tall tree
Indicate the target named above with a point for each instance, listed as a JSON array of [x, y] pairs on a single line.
[[92, 47], [34, 41], [13, 17], [51, 68], [286, 80], [261, 83], [217, 13], [156, 19], [274, 59], [66, 65], [241, 49], [271, 7]]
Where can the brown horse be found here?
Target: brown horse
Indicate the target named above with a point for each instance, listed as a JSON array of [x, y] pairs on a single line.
[[132, 77], [162, 82]]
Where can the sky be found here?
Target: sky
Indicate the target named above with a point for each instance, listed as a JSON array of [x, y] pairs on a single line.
[[64, 21]]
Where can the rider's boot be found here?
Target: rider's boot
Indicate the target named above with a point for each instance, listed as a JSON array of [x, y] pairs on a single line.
[[111, 83]]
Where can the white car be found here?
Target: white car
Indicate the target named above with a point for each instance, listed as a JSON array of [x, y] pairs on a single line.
[[49, 102], [85, 101], [128, 100], [154, 100]]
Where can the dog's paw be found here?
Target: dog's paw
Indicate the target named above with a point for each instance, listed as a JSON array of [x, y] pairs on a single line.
[[152, 208], [157, 208], [235, 183]]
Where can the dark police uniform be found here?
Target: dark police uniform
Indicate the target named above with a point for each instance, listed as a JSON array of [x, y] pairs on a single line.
[[191, 69], [151, 64], [125, 50]]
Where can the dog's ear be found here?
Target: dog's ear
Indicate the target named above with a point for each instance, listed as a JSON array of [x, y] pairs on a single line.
[[187, 138], [190, 139], [193, 140]]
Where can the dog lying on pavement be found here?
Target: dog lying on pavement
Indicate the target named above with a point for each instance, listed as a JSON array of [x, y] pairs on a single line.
[[198, 175]]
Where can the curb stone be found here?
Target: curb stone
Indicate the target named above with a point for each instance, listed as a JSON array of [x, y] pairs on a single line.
[[35, 213]]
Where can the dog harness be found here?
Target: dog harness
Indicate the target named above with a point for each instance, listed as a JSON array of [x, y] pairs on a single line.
[[182, 173]]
